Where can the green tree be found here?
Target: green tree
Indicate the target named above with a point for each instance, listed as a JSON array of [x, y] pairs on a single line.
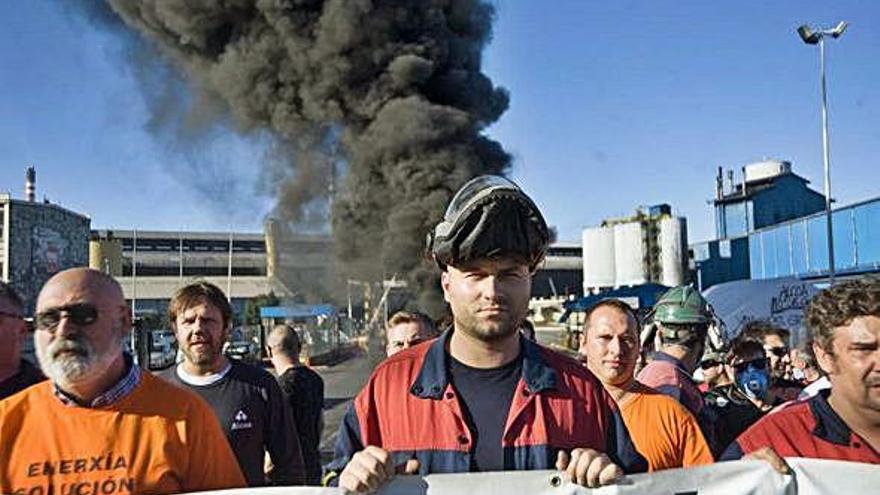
[[253, 305]]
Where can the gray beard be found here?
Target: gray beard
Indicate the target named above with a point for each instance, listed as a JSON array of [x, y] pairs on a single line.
[[83, 364]]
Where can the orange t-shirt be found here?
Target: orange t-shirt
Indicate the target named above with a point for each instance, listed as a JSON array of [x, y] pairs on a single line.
[[663, 431], [157, 439]]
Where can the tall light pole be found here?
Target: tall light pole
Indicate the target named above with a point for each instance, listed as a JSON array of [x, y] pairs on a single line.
[[811, 37]]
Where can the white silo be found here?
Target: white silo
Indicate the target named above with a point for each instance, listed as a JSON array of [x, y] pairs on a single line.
[[629, 254], [598, 255], [673, 251]]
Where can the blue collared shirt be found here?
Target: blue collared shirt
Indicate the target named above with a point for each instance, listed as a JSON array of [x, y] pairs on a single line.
[[112, 395]]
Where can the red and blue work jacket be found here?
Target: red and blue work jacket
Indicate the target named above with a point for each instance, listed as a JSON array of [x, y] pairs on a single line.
[[805, 428], [409, 408]]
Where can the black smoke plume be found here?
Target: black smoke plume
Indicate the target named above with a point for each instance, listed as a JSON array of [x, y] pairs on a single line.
[[389, 93]]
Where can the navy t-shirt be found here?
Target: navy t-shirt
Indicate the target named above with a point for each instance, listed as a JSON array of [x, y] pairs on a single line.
[[256, 419], [485, 396]]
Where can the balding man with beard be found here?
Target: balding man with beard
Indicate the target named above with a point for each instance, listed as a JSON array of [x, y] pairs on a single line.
[[101, 424]]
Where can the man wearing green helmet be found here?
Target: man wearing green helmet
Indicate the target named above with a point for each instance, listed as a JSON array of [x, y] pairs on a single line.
[[682, 318]]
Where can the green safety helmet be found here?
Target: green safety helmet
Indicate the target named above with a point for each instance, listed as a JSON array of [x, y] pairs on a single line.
[[682, 305]]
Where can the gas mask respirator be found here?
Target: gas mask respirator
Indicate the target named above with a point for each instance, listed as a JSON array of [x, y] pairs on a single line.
[[753, 379]]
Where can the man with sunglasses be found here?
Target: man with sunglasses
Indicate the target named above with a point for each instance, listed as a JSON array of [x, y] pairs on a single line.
[[16, 374], [246, 399], [741, 403], [102, 423], [843, 422], [714, 370], [775, 340]]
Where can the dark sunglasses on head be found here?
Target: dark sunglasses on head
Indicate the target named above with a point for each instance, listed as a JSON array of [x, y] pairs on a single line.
[[777, 351], [760, 364], [81, 314], [709, 364]]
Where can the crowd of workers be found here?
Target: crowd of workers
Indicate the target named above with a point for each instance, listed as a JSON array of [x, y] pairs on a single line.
[[477, 395]]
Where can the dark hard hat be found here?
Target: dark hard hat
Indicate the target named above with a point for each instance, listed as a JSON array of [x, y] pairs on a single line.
[[489, 216]]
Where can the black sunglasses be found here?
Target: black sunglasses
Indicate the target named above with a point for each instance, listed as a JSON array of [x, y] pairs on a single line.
[[777, 351], [81, 314], [760, 363], [709, 364]]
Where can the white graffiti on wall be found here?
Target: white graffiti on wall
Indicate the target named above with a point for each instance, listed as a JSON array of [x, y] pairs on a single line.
[[49, 251]]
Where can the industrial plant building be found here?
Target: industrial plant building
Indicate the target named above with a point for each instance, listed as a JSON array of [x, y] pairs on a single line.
[[152, 265], [770, 193], [38, 239], [769, 224]]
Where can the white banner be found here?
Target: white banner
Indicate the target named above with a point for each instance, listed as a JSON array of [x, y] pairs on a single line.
[[781, 301], [810, 477]]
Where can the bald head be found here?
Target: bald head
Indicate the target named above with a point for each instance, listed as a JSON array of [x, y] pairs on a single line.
[[81, 321], [283, 339], [98, 285]]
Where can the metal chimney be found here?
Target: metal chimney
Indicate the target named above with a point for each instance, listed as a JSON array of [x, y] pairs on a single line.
[[30, 184]]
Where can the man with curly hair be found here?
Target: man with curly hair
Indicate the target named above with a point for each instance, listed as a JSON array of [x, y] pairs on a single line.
[[843, 422]]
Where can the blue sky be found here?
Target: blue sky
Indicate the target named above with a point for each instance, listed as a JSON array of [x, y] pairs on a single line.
[[613, 105]]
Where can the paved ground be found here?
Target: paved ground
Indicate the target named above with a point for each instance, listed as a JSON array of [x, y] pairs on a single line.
[[341, 383]]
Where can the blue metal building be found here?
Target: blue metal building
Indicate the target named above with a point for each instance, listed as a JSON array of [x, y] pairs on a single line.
[[799, 247], [769, 193], [779, 230]]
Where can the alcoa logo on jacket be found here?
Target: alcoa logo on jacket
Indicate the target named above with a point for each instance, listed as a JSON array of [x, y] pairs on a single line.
[[241, 422]]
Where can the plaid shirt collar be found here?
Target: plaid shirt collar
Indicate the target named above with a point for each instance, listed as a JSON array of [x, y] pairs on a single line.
[[114, 394]]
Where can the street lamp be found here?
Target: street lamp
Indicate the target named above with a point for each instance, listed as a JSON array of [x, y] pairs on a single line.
[[811, 37]]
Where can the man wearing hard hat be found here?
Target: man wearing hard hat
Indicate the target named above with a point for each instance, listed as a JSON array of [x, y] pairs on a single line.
[[681, 318], [481, 397]]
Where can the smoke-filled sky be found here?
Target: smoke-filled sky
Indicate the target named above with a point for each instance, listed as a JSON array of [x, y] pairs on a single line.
[[612, 105]]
